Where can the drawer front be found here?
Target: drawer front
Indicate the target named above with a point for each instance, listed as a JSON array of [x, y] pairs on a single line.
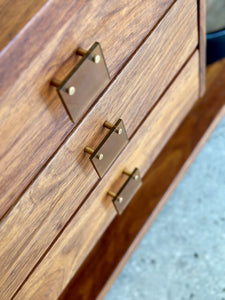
[[64, 258], [53, 198], [33, 120]]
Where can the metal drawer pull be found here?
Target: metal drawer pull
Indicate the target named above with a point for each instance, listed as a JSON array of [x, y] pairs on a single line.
[[127, 191], [84, 83], [110, 147]]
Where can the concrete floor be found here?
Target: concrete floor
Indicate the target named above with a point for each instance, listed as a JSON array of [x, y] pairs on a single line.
[[215, 15], [182, 256]]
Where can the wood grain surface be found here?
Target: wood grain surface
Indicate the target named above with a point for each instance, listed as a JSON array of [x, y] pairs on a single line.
[[202, 44], [33, 120], [14, 15], [64, 258], [54, 196], [112, 251]]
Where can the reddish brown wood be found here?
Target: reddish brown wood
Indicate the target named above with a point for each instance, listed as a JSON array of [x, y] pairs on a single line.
[[14, 15], [33, 120], [202, 44], [119, 240]]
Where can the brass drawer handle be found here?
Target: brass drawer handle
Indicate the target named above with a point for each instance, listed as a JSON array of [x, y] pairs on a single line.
[[84, 83], [127, 191], [110, 147]]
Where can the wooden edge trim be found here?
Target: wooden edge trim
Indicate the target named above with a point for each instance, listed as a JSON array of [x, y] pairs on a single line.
[[202, 44]]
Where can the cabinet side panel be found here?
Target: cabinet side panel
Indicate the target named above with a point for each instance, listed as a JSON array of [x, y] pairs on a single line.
[[202, 44]]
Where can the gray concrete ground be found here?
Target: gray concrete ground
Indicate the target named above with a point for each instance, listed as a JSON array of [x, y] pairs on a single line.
[[215, 15], [182, 257]]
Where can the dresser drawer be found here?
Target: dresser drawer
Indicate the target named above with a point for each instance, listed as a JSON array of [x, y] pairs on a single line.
[[33, 120], [64, 258]]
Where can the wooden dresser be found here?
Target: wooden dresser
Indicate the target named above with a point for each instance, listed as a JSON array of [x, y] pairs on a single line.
[[90, 139]]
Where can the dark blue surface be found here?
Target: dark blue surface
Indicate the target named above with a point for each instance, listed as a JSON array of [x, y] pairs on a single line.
[[215, 46]]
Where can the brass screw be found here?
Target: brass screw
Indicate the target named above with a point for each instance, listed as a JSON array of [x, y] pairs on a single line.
[[99, 156], [71, 90], [135, 177], [119, 130], [120, 199], [90, 151], [114, 195], [96, 58], [110, 126]]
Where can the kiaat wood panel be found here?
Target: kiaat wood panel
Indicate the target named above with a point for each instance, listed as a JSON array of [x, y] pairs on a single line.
[[54, 196], [33, 120], [64, 258], [14, 15], [202, 43], [112, 251]]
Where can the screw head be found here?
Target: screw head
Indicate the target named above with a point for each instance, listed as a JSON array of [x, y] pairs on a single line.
[[96, 58], [100, 156], [71, 90], [119, 131], [135, 177], [120, 199]]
